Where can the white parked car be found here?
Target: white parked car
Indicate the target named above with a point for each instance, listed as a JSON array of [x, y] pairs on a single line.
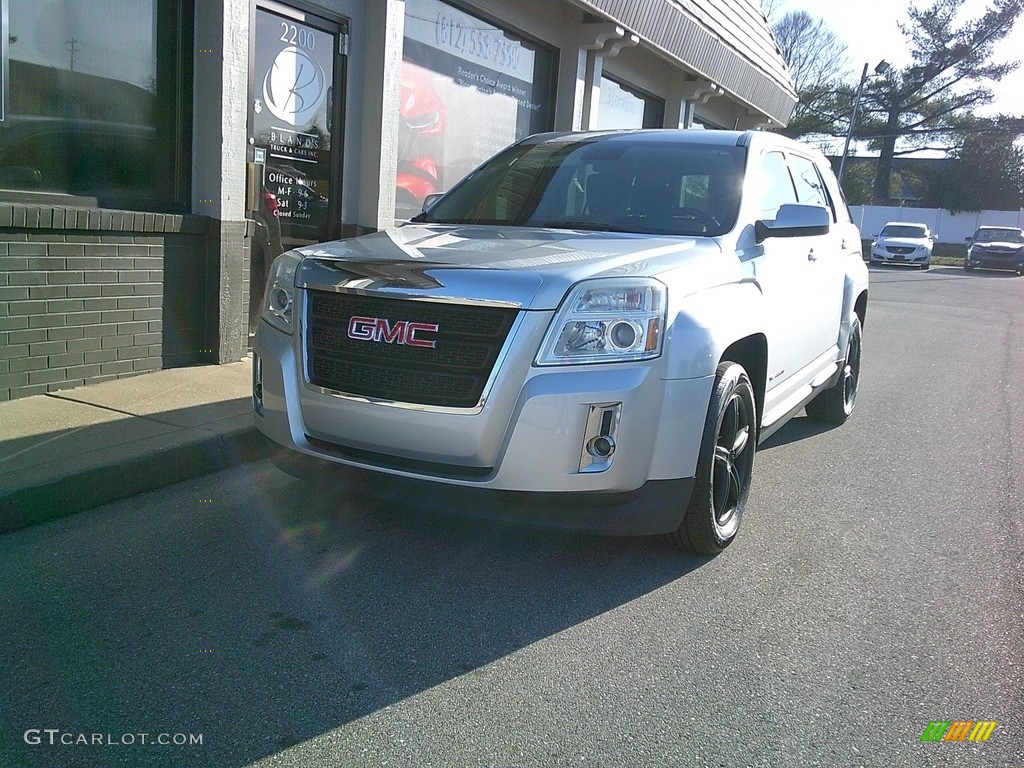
[[590, 330], [901, 242]]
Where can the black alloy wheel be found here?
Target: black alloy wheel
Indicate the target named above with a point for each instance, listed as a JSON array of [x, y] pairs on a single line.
[[835, 404], [734, 459], [724, 466]]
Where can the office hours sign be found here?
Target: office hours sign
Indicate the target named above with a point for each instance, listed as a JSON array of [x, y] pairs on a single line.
[[291, 116]]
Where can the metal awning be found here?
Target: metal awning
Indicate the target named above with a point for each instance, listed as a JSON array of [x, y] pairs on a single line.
[[727, 42]]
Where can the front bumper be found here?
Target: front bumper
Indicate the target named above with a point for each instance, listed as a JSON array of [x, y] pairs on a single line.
[[520, 457], [1013, 262], [655, 508], [881, 255]]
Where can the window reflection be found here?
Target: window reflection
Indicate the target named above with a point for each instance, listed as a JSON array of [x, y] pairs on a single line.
[[83, 113]]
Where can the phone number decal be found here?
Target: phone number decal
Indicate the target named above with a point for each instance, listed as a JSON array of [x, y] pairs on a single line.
[[478, 43]]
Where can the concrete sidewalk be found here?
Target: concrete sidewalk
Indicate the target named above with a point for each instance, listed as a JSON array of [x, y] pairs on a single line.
[[68, 451]]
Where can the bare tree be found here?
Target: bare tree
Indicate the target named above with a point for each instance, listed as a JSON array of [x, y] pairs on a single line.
[[818, 65], [770, 9]]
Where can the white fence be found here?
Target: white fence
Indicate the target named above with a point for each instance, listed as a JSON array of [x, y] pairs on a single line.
[[947, 227]]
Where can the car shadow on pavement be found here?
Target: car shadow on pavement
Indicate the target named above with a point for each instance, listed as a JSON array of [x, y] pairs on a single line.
[[797, 429], [277, 611], [988, 273], [940, 271], [407, 599]]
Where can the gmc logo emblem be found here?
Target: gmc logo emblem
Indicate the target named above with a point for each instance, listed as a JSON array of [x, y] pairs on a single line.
[[402, 332]]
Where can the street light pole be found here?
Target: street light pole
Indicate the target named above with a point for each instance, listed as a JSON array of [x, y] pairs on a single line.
[[880, 68]]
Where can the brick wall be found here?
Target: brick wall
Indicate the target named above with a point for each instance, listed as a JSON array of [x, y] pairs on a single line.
[[82, 294]]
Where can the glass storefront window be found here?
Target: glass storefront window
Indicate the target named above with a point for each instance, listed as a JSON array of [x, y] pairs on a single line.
[[623, 107], [91, 97], [468, 90]]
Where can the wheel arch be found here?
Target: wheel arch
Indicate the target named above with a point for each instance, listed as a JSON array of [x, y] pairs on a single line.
[[752, 353], [860, 308]]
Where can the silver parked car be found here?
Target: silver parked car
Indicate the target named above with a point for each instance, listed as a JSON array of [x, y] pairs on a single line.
[[590, 330]]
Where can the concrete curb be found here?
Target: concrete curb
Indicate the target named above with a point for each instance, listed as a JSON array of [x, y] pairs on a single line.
[[95, 487]]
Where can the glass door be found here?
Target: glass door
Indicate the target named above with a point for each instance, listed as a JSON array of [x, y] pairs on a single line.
[[296, 82]]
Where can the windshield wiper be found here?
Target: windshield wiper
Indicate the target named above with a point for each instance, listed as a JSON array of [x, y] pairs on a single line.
[[595, 226], [465, 222]]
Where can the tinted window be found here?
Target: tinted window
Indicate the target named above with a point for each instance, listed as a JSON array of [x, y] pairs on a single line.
[[903, 230], [614, 184], [1003, 235]]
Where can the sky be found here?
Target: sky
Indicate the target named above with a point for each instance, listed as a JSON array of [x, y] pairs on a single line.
[[113, 38], [870, 29]]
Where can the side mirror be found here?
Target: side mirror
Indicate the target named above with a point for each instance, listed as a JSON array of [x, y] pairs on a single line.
[[968, 239], [794, 220], [429, 200]]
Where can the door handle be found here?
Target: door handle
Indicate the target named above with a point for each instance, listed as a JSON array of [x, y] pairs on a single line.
[[811, 256]]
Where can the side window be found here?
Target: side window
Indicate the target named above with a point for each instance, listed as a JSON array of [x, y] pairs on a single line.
[[810, 188], [778, 185]]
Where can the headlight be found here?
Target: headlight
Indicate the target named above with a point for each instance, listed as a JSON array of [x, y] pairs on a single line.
[[279, 295], [607, 321]]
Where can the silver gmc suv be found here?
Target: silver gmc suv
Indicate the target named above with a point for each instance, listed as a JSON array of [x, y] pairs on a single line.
[[591, 330]]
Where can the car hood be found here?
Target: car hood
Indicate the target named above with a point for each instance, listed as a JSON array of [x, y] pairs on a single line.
[[523, 267], [1004, 245]]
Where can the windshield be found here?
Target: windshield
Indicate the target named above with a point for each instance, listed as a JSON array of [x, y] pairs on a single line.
[[903, 230], [619, 184], [999, 235]]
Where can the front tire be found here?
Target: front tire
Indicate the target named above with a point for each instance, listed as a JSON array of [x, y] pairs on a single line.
[[835, 404], [724, 466]]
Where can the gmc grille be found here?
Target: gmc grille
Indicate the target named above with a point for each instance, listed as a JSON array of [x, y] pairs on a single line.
[[452, 374]]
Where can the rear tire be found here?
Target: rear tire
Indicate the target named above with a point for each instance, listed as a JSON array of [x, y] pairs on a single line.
[[724, 466], [835, 404]]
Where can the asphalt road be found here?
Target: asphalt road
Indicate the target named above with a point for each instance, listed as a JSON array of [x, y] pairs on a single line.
[[876, 587]]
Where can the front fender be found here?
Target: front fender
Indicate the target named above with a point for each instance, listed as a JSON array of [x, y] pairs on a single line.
[[702, 325]]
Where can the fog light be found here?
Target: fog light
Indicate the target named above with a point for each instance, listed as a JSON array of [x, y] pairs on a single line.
[[601, 447], [599, 437]]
